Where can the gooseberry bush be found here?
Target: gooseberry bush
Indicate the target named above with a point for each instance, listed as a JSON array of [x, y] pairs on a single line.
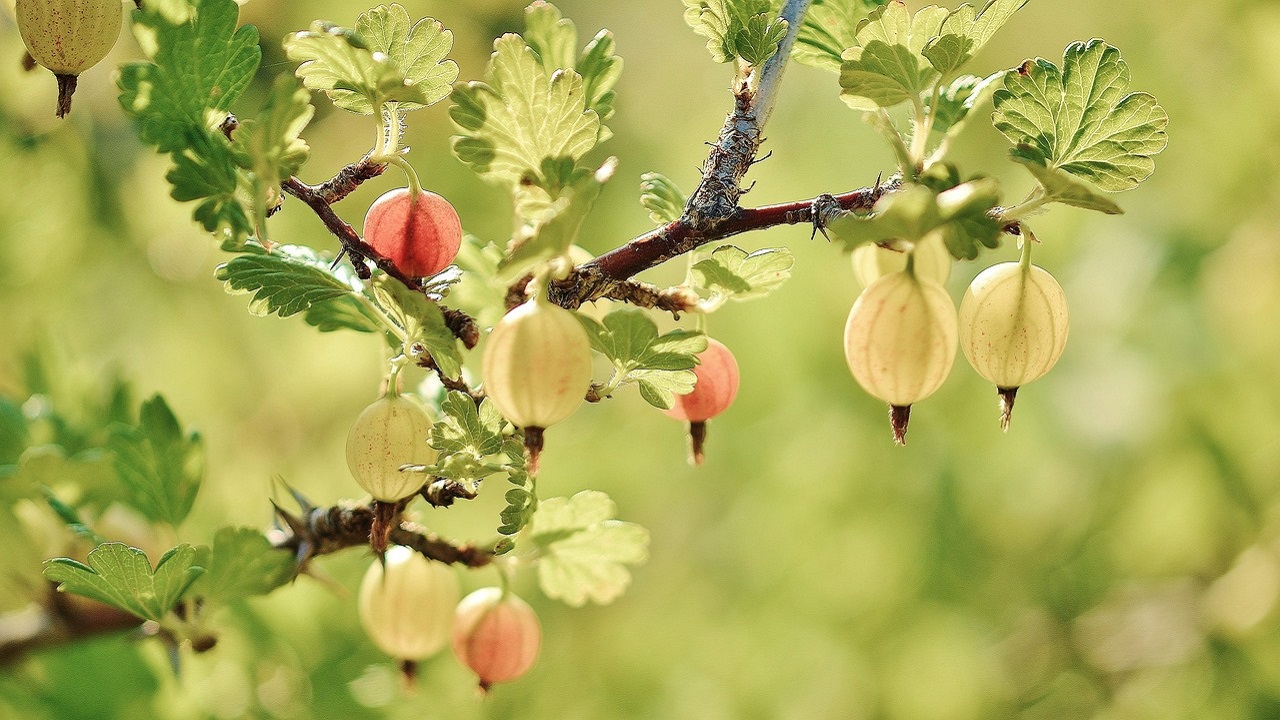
[[497, 325]]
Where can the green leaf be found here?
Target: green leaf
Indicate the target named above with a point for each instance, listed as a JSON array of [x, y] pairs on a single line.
[[90, 473], [746, 29], [584, 551], [418, 51], [659, 364], [1059, 186], [524, 116], [160, 466], [383, 60], [466, 428], [121, 576], [13, 432], [551, 235], [292, 279], [422, 321], [198, 67], [270, 147], [730, 271], [956, 102], [885, 67], [829, 28], [661, 197], [241, 564], [1078, 119], [553, 39], [962, 214], [522, 500], [197, 70], [965, 32]]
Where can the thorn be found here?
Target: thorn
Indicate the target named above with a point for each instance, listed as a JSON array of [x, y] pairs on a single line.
[[747, 189], [762, 159], [296, 524]]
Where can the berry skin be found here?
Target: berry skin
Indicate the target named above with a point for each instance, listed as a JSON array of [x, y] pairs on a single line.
[[932, 260], [68, 37], [900, 342], [714, 390], [421, 237], [496, 635], [536, 368], [407, 607], [389, 433], [1013, 327]]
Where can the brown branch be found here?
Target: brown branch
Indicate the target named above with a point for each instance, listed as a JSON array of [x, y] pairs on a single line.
[[348, 179], [601, 276]]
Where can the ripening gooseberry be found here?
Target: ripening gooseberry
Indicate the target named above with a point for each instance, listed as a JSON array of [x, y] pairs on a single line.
[[932, 260], [407, 605], [388, 434], [421, 237], [900, 342], [497, 635], [713, 392], [536, 368], [1013, 327], [68, 37]]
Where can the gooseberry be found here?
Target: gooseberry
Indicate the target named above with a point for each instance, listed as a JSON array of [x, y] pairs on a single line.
[[421, 235], [406, 604], [536, 368], [900, 342], [1013, 327], [713, 392], [387, 435], [497, 635], [68, 37]]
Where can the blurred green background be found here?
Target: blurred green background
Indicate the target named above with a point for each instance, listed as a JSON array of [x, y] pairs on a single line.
[[1115, 555]]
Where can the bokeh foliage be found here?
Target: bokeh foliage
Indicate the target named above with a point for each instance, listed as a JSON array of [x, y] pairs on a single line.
[[1116, 555]]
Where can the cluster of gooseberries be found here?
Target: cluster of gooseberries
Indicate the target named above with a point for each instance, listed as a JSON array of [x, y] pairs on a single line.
[[409, 607], [901, 336]]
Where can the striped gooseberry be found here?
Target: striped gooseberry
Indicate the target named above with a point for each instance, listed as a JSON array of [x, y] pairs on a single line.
[[931, 260], [387, 435], [536, 368], [421, 235], [406, 604], [713, 392], [900, 342], [68, 37], [497, 635], [1013, 326]]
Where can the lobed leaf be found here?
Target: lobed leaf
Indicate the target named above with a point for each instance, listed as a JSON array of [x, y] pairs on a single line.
[[465, 428], [556, 228], [737, 29], [730, 271], [584, 551], [292, 279], [659, 364], [1078, 118], [965, 32], [962, 214], [660, 196], [885, 67], [242, 563], [121, 576], [385, 59], [160, 466], [829, 28], [422, 321]]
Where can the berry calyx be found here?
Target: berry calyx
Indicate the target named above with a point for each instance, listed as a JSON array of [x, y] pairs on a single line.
[[420, 235], [713, 392], [497, 635], [536, 368], [1013, 326], [930, 257], [900, 342], [406, 604], [388, 434], [68, 37]]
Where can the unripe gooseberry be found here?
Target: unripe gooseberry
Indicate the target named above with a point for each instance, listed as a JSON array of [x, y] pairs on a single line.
[[714, 389], [421, 237], [536, 368], [932, 260], [68, 37], [1013, 327], [407, 606], [900, 342], [497, 635], [388, 434]]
